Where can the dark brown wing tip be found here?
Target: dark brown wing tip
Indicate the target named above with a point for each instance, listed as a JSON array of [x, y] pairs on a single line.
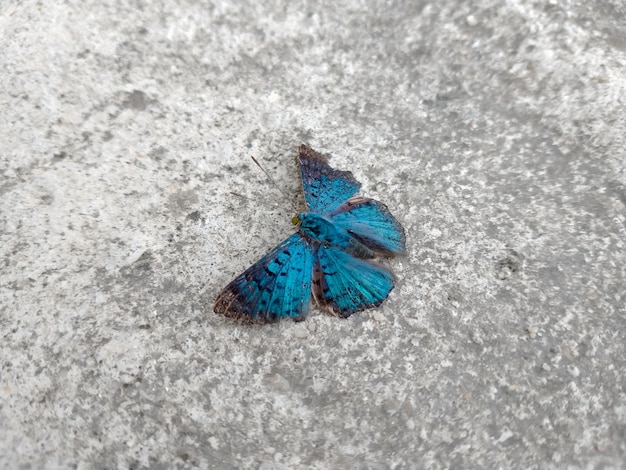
[[229, 306], [306, 151], [223, 301], [226, 304]]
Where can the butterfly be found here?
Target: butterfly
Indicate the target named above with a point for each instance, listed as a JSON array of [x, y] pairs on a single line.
[[327, 258]]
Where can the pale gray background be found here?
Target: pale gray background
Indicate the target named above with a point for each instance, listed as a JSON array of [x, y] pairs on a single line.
[[494, 130]]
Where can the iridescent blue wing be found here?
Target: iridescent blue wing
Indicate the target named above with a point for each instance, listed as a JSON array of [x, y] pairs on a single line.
[[371, 224], [343, 284], [325, 188], [276, 286]]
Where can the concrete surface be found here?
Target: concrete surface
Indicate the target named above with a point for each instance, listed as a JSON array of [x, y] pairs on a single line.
[[494, 130]]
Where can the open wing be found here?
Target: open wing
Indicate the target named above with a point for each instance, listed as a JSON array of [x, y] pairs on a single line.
[[324, 188], [276, 286], [370, 222], [343, 284]]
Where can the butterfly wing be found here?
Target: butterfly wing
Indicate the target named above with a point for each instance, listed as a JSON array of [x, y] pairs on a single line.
[[371, 224], [325, 188], [343, 284], [276, 286]]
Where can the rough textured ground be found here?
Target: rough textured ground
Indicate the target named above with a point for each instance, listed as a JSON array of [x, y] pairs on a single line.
[[494, 130]]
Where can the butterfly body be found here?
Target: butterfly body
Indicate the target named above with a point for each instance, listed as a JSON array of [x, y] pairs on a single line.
[[322, 230], [328, 258]]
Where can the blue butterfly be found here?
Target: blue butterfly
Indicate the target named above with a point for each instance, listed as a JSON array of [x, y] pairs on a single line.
[[328, 256]]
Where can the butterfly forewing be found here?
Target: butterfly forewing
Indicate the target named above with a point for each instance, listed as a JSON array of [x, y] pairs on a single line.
[[324, 188], [276, 286]]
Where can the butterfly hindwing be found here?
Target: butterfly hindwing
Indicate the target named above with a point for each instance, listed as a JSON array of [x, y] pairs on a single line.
[[370, 222], [324, 188], [343, 284], [276, 286]]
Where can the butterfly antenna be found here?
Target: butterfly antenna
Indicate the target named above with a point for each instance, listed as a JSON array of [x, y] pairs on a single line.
[[272, 180], [268, 176], [240, 195], [265, 202]]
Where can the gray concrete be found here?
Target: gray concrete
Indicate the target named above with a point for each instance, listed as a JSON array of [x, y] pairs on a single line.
[[494, 130]]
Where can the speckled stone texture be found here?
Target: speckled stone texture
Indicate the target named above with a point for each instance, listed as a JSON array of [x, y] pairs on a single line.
[[494, 131]]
